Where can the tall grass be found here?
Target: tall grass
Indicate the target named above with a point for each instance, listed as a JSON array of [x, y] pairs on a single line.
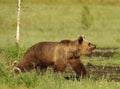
[[33, 81]]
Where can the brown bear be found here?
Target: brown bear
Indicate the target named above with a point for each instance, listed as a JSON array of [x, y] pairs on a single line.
[[57, 55]]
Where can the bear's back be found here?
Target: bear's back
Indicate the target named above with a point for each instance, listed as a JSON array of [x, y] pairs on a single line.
[[41, 50]]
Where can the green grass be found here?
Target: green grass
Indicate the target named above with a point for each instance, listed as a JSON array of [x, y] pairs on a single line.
[[98, 2], [40, 22], [31, 80], [55, 22]]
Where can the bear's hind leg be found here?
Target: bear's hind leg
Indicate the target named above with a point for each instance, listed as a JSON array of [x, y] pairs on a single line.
[[60, 66]]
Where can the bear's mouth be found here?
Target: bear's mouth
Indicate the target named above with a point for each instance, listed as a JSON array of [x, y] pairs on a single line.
[[92, 48]]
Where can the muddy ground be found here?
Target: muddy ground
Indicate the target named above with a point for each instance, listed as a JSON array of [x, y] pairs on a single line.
[[97, 72], [111, 73], [104, 52]]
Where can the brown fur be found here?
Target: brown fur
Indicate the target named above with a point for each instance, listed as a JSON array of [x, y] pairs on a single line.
[[57, 55], [78, 67]]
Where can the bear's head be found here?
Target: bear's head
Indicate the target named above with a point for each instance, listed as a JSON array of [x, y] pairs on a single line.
[[85, 46], [81, 46]]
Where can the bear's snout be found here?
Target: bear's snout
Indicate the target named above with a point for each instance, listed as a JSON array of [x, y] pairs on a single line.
[[92, 47]]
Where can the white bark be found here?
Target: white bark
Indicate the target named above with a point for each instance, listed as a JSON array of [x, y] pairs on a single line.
[[18, 23]]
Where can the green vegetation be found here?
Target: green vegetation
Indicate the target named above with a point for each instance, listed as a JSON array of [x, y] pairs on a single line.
[[98, 2], [32, 80], [41, 22], [54, 22]]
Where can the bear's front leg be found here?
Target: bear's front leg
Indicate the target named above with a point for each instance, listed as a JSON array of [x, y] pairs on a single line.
[[78, 67]]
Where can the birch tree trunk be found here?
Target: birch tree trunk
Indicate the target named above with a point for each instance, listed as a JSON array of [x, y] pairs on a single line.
[[18, 23]]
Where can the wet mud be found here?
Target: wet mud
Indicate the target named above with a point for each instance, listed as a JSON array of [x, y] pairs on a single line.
[[111, 73], [97, 72], [104, 52]]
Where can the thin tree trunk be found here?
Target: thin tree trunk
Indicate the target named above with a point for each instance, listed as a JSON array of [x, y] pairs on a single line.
[[18, 23]]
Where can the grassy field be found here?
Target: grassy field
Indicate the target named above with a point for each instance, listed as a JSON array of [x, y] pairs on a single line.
[[54, 22]]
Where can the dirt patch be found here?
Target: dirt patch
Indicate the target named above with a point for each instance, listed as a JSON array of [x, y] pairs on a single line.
[[97, 72], [108, 48], [107, 54], [108, 72], [103, 52]]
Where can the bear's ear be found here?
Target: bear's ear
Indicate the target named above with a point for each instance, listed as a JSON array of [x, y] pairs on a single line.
[[80, 39]]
